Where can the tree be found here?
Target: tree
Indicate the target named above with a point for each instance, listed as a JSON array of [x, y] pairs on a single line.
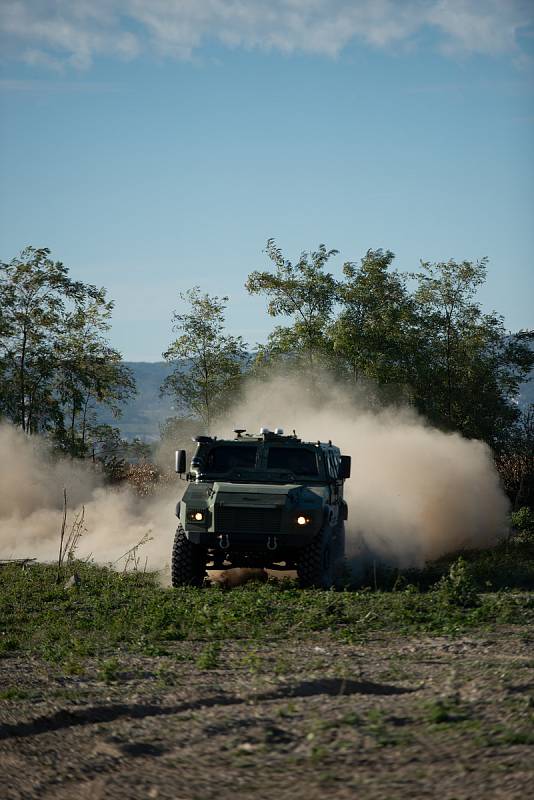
[[468, 368], [208, 363], [90, 372], [34, 291], [53, 354], [371, 336], [302, 291], [109, 449]]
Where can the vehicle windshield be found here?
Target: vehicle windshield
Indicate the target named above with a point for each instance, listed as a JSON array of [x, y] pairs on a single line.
[[297, 460], [226, 458]]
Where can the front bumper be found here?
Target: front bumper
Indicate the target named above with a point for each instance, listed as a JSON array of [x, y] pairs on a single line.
[[257, 542]]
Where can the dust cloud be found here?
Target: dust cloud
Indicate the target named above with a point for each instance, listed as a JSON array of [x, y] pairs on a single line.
[[415, 493], [31, 505]]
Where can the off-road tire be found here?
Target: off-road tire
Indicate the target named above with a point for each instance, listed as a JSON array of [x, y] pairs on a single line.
[[315, 564], [188, 563]]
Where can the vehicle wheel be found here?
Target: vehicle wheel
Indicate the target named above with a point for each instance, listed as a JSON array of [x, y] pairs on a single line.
[[315, 564], [188, 565]]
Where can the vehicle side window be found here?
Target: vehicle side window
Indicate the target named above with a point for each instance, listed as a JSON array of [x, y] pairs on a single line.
[[333, 464], [337, 463], [223, 459]]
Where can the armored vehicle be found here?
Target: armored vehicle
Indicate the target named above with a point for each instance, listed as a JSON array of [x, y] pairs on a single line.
[[265, 500]]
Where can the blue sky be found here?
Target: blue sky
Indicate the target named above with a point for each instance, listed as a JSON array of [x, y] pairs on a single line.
[[155, 146]]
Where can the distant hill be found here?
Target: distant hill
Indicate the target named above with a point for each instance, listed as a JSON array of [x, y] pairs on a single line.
[[144, 413]]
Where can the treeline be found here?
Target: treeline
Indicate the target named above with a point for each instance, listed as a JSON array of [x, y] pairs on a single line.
[[421, 338], [429, 344]]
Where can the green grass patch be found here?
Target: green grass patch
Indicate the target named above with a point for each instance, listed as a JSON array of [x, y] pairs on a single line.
[[109, 670], [14, 693], [131, 611], [209, 657], [445, 710]]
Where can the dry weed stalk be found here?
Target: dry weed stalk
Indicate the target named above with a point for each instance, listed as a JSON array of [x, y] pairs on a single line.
[[131, 557], [62, 536], [68, 542], [77, 530]]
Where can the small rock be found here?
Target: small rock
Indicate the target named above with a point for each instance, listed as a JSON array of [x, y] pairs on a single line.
[[247, 747], [73, 582]]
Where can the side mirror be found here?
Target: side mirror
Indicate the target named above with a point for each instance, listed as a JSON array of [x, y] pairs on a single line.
[[180, 462], [344, 468]]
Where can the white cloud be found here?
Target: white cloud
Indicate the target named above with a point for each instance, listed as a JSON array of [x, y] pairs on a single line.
[[491, 26], [75, 32]]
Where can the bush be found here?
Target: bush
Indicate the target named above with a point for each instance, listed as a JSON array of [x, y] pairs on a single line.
[[458, 588], [143, 477], [523, 522]]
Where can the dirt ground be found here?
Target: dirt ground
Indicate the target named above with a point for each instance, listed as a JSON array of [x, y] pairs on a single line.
[[390, 717]]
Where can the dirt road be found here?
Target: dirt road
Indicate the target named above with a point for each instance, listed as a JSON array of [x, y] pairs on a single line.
[[392, 717]]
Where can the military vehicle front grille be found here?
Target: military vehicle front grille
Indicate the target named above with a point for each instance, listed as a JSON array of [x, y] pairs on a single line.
[[230, 519]]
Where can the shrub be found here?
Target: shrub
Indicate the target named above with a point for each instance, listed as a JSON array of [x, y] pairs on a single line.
[[458, 588], [523, 522], [143, 477], [209, 657]]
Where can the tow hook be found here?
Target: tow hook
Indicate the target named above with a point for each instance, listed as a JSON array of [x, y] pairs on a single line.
[[272, 543], [224, 541]]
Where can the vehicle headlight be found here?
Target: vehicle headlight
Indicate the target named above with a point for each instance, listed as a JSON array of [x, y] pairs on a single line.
[[197, 516], [302, 520]]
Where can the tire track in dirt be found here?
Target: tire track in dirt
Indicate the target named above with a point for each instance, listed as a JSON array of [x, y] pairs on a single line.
[[96, 715]]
